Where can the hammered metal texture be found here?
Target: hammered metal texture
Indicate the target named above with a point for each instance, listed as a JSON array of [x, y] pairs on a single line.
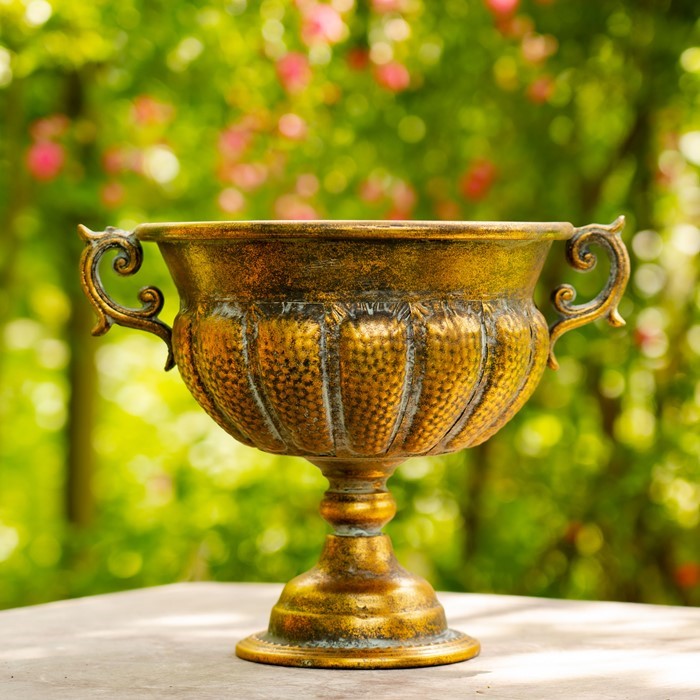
[[449, 342], [190, 373], [362, 380], [374, 362], [538, 362], [223, 362], [504, 370], [290, 366]]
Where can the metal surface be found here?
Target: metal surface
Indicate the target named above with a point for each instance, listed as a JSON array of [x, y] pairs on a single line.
[[357, 345]]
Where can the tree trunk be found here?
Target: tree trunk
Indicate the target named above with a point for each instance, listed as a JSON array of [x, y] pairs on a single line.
[[82, 371]]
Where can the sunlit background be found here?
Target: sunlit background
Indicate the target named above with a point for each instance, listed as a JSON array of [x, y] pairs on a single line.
[[116, 113]]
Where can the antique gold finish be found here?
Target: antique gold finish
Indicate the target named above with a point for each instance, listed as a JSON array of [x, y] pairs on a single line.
[[358, 344], [127, 262], [580, 257]]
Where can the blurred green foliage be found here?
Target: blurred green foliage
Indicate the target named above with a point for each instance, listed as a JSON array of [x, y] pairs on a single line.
[[119, 113]]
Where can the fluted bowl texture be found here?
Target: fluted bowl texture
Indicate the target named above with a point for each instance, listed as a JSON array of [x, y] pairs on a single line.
[[342, 342], [346, 380]]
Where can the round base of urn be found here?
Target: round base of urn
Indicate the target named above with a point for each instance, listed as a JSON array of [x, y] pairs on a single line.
[[449, 649], [358, 608]]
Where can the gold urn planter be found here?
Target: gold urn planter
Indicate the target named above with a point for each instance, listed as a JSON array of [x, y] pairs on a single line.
[[358, 344]]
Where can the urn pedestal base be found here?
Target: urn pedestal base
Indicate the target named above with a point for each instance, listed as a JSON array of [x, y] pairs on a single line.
[[358, 608]]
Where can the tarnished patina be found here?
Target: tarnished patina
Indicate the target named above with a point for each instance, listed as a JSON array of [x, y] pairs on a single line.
[[358, 344]]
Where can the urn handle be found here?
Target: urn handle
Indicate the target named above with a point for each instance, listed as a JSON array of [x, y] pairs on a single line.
[[127, 262], [580, 257]]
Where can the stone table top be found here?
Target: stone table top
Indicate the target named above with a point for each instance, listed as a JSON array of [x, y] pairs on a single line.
[[177, 642]]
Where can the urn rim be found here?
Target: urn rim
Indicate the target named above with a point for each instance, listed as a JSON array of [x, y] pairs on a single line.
[[346, 229]]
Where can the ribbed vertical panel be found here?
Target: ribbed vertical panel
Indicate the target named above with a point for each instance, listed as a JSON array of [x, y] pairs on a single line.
[[291, 374], [183, 343], [505, 374], [370, 380], [373, 347], [222, 360], [449, 356], [539, 347]]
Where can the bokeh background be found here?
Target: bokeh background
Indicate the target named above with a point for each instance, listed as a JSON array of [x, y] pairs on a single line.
[[116, 113]]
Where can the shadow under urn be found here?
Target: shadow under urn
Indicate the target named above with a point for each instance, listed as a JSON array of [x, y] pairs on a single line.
[[357, 344]]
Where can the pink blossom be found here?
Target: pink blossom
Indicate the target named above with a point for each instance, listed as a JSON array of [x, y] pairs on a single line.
[[50, 127], [515, 26], [234, 140], [292, 126], [387, 5], [307, 185], [294, 72], [113, 160], [290, 206], [248, 176], [502, 7], [393, 76], [116, 160], [688, 575], [371, 190], [45, 160], [403, 196], [478, 179], [540, 90], [134, 160], [536, 48], [231, 200], [322, 24], [112, 194], [358, 59], [148, 111]]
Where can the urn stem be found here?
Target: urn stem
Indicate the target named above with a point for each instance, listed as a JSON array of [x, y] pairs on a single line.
[[357, 502]]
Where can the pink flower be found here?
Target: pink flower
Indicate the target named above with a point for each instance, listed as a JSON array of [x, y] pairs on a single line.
[[45, 160], [541, 89], [503, 7], [49, 128], [248, 176], [148, 111], [292, 126], [515, 26], [289, 206], [322, 24], [387, 5], [113, 160], [112, 194], [307, 185], [688, 575], [358, 59], [294, 72], [371, 190], [393, 76], [478, 179], [231, 200], [134, 160], [537, 48], [404, 197], [234, 140]]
